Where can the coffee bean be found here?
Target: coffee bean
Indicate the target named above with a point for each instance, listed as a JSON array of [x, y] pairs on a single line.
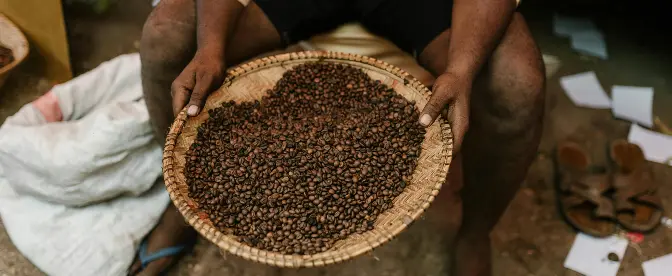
[[317, 159], [6, 56]]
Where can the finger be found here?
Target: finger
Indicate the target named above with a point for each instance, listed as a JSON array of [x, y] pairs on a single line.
[[203, 86], [180, 97], [458, 117], [441, 97], [181, 88]]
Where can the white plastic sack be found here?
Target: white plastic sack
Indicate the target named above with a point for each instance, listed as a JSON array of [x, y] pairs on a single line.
[[76, 196], [103, 148]]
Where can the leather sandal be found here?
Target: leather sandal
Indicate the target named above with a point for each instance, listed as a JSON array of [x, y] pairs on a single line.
[[638, 206], [583, 190]]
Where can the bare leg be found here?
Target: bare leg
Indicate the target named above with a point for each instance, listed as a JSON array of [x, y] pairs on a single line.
[[506, 118], [168, 44]]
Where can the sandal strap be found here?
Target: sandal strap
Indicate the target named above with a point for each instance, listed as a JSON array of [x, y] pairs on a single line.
[[591, 188], [146, 259], [627, 204], [638, 185], [572, 176]]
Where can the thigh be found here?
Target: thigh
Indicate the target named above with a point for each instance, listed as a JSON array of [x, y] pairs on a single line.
[[509, 93], [507, 103], [511, 79], [507, 106], [169, 42]]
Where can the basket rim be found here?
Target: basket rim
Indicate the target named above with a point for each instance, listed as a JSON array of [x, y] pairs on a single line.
[[228, 243], [15, 31]]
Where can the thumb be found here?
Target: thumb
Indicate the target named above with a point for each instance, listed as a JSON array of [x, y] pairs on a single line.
[[203, 86], [433, 108]]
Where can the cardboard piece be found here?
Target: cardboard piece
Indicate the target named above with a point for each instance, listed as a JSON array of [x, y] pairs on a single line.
[[43, 24]]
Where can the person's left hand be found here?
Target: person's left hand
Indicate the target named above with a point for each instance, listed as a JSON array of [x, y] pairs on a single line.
[[450, 91]]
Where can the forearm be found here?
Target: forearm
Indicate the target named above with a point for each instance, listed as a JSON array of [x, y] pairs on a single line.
[[216, 21], [477, 26]]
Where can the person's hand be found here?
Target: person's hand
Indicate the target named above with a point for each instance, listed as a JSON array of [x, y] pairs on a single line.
[[452, 92], [203, 74]]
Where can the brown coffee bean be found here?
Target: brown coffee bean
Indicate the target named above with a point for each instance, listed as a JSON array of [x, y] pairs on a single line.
[[319, 158]]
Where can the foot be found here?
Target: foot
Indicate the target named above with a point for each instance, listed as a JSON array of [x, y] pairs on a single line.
[[171, 231], [471, 257]]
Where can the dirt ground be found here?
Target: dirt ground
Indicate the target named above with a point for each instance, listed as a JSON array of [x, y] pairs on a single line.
[[531, 238]]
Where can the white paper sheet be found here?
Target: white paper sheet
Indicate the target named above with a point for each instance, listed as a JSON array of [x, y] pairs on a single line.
[[657, 147], [552, 64], [585, 37], [566, 26], [585, 90], [633, 104], [590, 42], [661, 266], [667, 222], [588, 255]]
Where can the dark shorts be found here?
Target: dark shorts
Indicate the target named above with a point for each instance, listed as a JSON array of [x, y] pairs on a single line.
[[410, 24]]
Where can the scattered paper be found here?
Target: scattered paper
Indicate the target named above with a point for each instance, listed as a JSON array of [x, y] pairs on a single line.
[[567, 26], [634, 104], [657, 147], [552, 64], [658, 267], [585, 90], [585, 37], [589, 255], [667, 222], [590, 42]]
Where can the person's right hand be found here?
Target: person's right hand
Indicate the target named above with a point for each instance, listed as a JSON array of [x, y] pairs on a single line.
[[203, 74]]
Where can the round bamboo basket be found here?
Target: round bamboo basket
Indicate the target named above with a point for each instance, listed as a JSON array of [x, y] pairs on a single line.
[[250, 82], [12, 38]]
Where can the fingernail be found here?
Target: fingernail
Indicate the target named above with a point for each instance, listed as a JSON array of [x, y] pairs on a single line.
[[192, 111], [425, 120]]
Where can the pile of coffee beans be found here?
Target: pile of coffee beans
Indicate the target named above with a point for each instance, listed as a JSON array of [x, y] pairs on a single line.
[[317, 159], [6, 56]]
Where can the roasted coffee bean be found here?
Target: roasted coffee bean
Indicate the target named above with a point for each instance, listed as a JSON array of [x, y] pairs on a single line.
[[324, 153], [6, 56]]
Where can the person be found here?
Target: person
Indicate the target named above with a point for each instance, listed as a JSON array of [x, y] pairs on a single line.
[[489, 83]]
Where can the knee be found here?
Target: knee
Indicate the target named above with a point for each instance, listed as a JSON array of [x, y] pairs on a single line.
[[168, 34], [520, 104], [523, 86], [518, 92]]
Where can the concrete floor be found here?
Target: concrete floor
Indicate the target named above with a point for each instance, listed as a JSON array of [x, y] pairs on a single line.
[[531, 238]]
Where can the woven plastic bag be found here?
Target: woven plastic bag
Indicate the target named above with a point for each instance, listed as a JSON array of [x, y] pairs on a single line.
[[78, 195]]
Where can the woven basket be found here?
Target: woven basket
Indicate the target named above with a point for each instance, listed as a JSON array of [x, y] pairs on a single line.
[[250, 82], [12, 38]]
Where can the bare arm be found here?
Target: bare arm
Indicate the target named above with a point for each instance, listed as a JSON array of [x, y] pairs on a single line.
[[216, 21], [477, 27]]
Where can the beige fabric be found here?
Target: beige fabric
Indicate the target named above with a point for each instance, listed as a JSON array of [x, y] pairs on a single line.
[[245, 2], [353, 38]]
